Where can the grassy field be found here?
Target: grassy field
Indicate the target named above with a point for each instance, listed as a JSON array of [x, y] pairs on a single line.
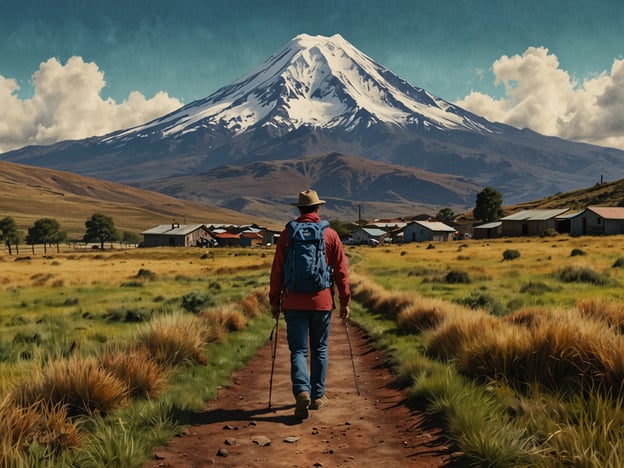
[[476, 271], [515, 345], [102, 354]]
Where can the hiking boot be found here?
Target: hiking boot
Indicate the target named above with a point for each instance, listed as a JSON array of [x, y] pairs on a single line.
[[318, 403], [303, 403]]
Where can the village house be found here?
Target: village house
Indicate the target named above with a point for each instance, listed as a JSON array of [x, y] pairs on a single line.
[[177, 235], [371, 236], [487, 230], [530, 222], [225, 238], [251, 238], [596, 220], [421, 231]]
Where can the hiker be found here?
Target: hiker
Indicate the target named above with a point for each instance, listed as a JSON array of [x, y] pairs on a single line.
[[308, 302]]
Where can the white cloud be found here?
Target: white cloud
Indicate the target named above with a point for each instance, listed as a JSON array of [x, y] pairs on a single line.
[[66, 104], [541, 96]]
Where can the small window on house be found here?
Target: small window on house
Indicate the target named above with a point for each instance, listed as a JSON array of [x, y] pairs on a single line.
[[598, 220]]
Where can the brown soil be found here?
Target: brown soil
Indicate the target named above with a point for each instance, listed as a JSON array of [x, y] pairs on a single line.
[[375, 428]]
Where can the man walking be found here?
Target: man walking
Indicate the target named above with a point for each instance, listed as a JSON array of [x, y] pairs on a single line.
[[308, 301]]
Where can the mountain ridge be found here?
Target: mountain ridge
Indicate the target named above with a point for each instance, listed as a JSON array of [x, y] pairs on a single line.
[[320, 95], [29, 193]]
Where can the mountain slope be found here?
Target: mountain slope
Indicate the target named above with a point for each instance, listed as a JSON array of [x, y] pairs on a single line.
[[321, 95], [346, 182], [28, 194]]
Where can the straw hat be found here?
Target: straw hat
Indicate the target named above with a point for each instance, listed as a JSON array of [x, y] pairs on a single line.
[[308, 198]]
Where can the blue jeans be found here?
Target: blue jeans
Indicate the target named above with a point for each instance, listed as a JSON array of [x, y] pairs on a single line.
[[301, 324]]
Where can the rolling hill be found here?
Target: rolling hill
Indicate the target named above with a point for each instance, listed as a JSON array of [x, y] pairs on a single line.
[[28, 193]]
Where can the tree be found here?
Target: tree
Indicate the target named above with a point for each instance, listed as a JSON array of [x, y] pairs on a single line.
[[445, 215], [45, 231], [9, 233], [100, 228], [339, 227], [489, 205], [130, 238]]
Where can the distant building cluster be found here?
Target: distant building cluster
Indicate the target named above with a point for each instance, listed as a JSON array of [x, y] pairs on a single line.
[[592, 220], [207, 235]]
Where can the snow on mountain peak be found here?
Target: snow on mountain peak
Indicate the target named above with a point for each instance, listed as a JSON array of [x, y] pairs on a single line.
[[316, 81]]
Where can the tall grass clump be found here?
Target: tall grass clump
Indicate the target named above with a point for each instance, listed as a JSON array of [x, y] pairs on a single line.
[[114, 445], [564, 353], [590, 433], [376, 298], [255, 303], [24, 428], [426, 313], [475, 419], [80, 384], [447, 340], [611, 312], [177, 338], [228, 318], [137, 368]]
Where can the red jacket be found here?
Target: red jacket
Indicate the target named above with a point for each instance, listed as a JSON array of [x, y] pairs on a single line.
[[322, 300]]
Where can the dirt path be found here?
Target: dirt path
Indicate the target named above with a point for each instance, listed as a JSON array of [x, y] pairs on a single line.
[[373, 429]]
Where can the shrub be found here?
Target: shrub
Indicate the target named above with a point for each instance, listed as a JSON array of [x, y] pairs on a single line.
[[457, 276], [535, 288], [619, 263], [132, 284], [550, 232], [478, 300], [511, 254], [194, 302], [577, 252], [145, 275], [582, 275]]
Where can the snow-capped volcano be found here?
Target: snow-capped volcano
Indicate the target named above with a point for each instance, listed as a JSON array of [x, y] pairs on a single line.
[[320, 82], [322, 96]]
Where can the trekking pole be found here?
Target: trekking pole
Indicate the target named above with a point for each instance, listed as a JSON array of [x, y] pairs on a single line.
[[357, 387], [273, 332]]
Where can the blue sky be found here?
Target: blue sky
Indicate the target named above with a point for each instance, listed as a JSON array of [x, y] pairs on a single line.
[[154, 55]]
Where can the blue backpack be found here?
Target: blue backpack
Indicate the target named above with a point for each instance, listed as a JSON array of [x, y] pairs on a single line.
[[305, 266]]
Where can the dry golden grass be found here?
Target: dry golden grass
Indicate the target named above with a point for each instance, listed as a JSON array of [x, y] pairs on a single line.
[[418, 317], [529, 317], [601, 309], [28, 193], [255, 303], [79, 383], [21, 426], [177, 338], [137, 368], [228, 317], [374, 297], [458, 332]]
